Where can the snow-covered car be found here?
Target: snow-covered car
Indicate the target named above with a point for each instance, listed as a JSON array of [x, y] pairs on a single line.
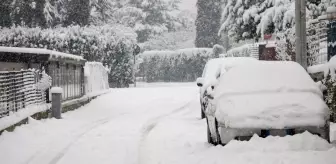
[[212, 71], [265, 98]]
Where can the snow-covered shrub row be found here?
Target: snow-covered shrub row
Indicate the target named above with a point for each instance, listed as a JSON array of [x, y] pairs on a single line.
[[241, 51], [96, 77], [173, 66], [111, 45]]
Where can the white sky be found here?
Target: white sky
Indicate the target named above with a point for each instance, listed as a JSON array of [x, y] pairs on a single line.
[[189, 5]]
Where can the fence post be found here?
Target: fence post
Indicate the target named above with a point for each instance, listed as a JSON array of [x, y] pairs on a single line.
[[56, 104]]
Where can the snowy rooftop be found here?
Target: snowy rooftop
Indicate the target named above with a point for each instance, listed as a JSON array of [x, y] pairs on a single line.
[[53, 54]]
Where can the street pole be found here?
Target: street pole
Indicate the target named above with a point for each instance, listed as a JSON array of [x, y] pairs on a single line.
[[303, 35], [300, 32]]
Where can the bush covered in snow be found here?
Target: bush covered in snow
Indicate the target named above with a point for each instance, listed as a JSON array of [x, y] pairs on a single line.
[[111, 45], [173, 66]]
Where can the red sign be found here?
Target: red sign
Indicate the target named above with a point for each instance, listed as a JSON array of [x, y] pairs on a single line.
[[267, 36]]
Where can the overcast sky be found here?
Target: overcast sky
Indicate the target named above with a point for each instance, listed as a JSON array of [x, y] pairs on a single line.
[[189, 5]]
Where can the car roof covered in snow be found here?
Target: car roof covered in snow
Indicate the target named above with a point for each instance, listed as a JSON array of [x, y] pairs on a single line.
[[220, 65], [266, 76]]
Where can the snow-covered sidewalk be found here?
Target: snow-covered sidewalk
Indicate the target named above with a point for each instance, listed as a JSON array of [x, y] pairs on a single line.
[[148, 125]]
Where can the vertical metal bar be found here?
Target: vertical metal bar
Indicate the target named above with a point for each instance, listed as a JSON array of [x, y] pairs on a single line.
[[297, 31], [303, 35]]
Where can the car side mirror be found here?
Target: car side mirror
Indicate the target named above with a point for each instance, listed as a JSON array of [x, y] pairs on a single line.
[[199, 82]]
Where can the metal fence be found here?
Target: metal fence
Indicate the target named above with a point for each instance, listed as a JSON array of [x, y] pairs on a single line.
[[18, 90], [317, 42], [69, 77]]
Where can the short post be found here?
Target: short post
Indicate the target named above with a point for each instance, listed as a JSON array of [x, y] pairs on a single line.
[[56, 105]]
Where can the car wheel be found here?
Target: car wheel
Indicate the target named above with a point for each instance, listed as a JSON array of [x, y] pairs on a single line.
[[209, 134], [213, 139], [326, 132], [202, 114], [217, 135]]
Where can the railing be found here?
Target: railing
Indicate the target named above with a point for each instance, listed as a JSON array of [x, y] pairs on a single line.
[[317, 42], [19, 90]]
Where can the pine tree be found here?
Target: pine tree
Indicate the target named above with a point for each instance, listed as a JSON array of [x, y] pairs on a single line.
[[207, 23], [78, 12], [5, 10]]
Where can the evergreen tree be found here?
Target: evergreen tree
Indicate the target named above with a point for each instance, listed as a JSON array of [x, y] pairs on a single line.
[[207, 23], [5, 10], [78, 12]]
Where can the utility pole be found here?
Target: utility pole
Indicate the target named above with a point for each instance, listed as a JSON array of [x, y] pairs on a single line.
[[300, 32]]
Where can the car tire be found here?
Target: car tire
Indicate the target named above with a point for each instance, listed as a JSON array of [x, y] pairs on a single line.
[[211, 140], [326, 132], [218, 138], [202, 114], [209, 134]]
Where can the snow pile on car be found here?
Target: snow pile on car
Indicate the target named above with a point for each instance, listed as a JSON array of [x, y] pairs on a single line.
[[269, 95], [215, 67]]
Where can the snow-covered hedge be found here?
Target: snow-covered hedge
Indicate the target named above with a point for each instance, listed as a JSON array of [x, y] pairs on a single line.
[[173, 66], [111, 45], [96, 77]]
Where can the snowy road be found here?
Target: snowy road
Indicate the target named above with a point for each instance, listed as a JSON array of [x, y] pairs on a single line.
[[149, 125]]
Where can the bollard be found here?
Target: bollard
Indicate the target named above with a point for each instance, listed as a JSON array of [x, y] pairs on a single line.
[[56, 105]]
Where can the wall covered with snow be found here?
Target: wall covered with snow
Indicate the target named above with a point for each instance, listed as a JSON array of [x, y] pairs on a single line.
[[96, 77]]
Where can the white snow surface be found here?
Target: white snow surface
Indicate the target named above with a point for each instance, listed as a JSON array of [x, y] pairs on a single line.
[[18, 116], [158, 123], [277, 94]]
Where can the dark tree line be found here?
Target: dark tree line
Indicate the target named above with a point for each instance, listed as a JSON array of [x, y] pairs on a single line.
[[44, 13], [208, 23]]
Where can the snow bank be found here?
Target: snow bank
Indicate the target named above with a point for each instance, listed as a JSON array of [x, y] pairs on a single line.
[[168, 142], [269, 95], [20, 115], [316, 68]]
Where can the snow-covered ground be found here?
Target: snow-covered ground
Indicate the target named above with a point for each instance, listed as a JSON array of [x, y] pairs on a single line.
[[156, 123]]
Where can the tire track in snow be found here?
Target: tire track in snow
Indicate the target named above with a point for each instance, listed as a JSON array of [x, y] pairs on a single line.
[[77, 135], [151, 124]]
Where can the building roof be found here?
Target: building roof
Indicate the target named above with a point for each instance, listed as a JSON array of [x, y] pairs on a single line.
[[19, 54]]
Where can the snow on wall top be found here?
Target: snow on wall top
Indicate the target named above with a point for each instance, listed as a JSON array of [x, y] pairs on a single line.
[[53, 54]]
